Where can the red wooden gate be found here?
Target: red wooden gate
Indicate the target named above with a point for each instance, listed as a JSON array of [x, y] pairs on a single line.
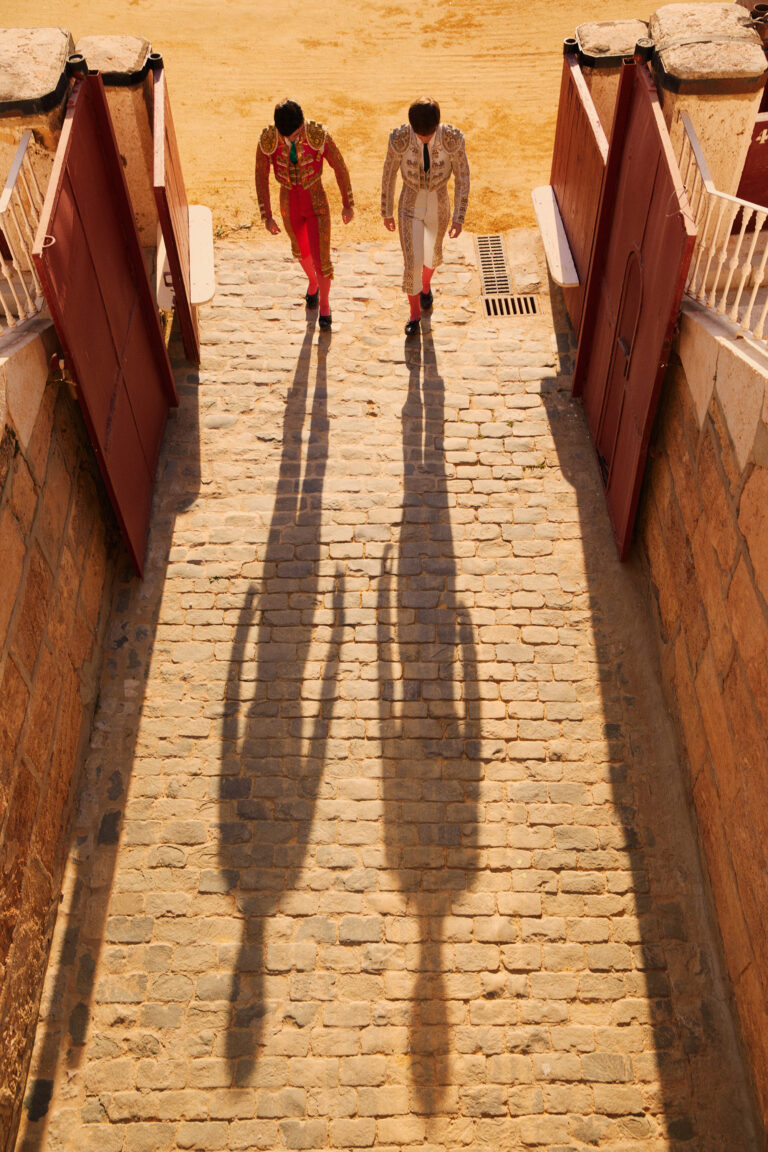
[[88, 256], [578, 163], [173, 210], [642, 249], [753, 185]]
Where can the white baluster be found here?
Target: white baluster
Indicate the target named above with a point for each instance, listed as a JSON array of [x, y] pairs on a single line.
[[757, 280], [705, 251], [39, 197], [758, 331], [21, 202], [9, 316], [31, 187], [700, 208], [684, 162], [699, 196], [28, 241], [18, 251], [747, 266], [733, 263], [720, 247], [717, 254]]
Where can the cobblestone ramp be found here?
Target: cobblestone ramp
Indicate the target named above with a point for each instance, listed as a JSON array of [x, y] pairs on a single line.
[[382, 842]]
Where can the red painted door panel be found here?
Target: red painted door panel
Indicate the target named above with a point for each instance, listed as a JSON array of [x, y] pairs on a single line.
[[173, 210], [609, 424], [754, 179], [643, 246], [88, 255]]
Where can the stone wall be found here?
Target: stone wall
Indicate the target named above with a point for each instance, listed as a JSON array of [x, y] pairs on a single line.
[[703, 531], [56, 564]]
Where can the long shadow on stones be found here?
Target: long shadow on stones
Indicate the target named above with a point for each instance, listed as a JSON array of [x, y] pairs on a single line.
[[660, 986], [105, 780], [272, 752], [430, 727]]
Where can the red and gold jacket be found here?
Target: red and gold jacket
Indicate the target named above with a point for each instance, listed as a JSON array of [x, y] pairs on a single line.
[[313, 145]]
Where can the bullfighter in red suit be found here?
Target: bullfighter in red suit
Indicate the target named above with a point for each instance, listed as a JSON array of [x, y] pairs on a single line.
[[295, 149]]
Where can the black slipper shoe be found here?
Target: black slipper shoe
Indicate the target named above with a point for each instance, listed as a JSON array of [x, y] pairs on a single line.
[[425, 299], [325, 322], [312, 298], [412, 327]]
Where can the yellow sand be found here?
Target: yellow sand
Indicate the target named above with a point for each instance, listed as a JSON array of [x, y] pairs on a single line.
[[355, 65]]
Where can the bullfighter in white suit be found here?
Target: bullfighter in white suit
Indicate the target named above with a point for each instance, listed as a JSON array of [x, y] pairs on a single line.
[[425, 152]]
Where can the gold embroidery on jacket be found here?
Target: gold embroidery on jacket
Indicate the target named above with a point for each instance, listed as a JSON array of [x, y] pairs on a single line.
[[453, 139], [447, 157], [315, 134], [268, 140], [313, 145], [400, 138]]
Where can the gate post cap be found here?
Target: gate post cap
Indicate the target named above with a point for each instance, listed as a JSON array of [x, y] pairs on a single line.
[[570, 45], [644, 49], [33, 76], [122, 60], [155, 61], [704, 48], [605, 43]]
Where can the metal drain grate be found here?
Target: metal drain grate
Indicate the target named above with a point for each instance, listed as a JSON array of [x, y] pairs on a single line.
[[496, 295], [511, 305], [493, 265]]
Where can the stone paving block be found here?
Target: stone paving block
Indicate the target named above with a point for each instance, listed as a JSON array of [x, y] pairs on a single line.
[[145, 1137], [395, 868]]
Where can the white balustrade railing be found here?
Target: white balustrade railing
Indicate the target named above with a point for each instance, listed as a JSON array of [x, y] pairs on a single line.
[[728, 269], [21, 203]]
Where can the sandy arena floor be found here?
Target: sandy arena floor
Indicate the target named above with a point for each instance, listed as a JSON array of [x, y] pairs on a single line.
[[495, 68]]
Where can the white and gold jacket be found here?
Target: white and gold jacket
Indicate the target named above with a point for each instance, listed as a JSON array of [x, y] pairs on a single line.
[[447, 155]]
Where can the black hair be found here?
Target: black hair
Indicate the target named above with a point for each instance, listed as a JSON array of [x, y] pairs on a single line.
[[288, 117], [424, 116]]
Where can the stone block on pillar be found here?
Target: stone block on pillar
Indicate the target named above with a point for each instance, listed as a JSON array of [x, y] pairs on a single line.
[[709, 62], [33, 94], [603, 44]]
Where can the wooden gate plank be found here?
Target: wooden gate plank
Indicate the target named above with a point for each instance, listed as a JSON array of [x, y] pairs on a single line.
[[173, 210], [88, 256], [578, 163], [642, 249]]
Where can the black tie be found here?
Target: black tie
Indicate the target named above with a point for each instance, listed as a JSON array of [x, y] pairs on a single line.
[[426, 158]]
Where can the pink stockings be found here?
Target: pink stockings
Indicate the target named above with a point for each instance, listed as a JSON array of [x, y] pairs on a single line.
[[413, 301]]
